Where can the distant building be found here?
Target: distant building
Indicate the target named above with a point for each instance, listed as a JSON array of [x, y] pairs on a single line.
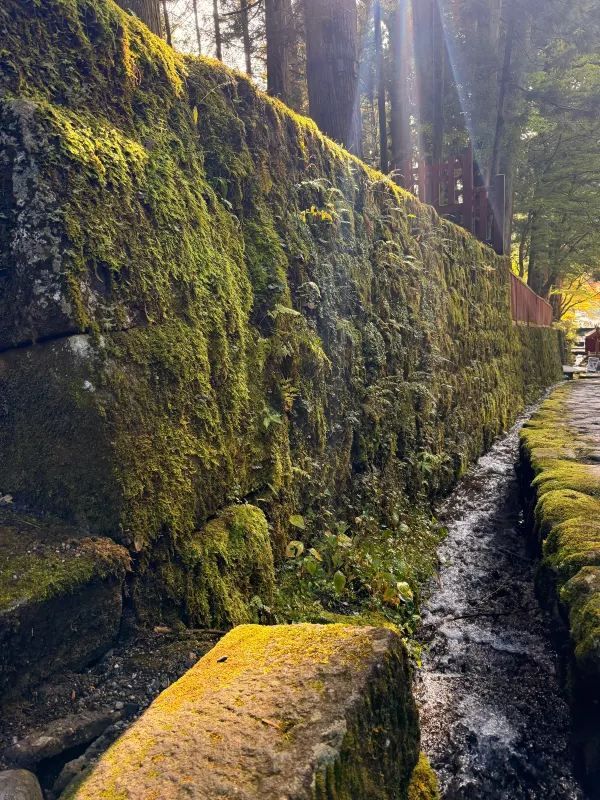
[[592, 343]]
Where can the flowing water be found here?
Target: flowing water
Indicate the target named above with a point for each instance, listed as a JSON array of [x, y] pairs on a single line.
[[495, 724]]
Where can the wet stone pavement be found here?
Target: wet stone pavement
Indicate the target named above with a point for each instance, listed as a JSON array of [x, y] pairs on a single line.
[[494, 721]]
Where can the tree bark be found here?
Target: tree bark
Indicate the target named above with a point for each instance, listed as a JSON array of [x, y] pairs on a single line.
[[438, 77], [167, 23], [278, 24], [245, 23], [422, 15], [537, 268], [217, 24], [197, 25], [332, 69], [503, 89], [400, 110], [380, 71], [148, 11]]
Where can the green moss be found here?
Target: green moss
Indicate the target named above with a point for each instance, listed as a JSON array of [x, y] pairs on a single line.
[[40, 560], [582, 597], [230, 563], [567, 520], [560, 505], [569, 475], [572, 545], [423, 782], [547, 438]]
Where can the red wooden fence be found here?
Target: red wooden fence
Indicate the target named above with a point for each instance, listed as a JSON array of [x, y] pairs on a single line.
[[456, 190], [527, 306]]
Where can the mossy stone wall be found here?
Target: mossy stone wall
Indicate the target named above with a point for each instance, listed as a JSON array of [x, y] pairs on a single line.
[[205, 302]]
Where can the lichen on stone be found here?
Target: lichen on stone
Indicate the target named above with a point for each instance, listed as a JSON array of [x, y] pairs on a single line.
[[329, 704]]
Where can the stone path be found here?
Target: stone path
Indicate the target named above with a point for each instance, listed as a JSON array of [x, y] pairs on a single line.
[[583, 404]]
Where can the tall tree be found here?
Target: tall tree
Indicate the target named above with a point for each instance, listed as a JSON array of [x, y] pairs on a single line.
[[245, 25], [381, 104], [332, 69], [279, 33], [218, 37], [558, 176], [197, 26], [399, 96], [438, 77], [167, 23], [148, 11]]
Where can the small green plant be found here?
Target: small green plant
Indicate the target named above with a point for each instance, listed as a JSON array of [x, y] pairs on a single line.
[[342, 565], [270, 418], [316, 214]]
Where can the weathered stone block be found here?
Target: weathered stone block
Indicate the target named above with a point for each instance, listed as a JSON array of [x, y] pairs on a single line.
[[60, 599], [19, 784], [303, 712]]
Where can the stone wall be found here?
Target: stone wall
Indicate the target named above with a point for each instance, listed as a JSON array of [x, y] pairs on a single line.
[[206, 303]]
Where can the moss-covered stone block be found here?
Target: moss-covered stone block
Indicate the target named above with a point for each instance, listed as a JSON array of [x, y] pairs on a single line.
[[582, 596], [559, 505], [222, 575], [314, 712], [60, 599], [58, 455]]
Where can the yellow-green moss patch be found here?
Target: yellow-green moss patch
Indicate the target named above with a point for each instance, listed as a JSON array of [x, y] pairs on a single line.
[[232, 563], [423, 782]]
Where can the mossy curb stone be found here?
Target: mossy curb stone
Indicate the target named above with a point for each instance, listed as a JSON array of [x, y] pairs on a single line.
[[561, 484], [60, 599], [300, 712]]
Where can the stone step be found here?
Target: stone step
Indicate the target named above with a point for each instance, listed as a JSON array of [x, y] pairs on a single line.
[[60, 599], [300, 711]]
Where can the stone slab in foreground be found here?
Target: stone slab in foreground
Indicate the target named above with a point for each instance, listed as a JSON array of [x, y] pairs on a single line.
[[19, 784], [277, 713]]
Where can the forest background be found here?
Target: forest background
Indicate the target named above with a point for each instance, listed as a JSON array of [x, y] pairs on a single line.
[[403, 81]]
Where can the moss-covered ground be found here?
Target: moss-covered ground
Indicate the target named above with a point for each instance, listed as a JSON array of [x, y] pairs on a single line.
[[423, 783]]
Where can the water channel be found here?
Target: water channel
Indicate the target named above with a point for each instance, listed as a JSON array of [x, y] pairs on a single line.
[[495, 724]]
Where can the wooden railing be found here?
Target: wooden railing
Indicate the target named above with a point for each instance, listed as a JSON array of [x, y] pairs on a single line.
[[456, 189], [528, 307]]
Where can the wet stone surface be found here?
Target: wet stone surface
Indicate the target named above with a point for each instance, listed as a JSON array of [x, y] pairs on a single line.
[[494, 721]]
